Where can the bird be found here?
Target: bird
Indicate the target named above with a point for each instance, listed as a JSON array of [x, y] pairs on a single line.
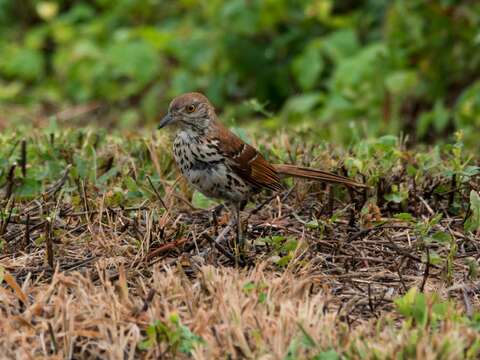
[[219, 164]]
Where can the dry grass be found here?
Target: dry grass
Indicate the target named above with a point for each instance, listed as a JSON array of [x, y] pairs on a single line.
[[82, 279]]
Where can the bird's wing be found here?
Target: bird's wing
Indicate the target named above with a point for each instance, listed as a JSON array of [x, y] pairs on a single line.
[[246, 161]]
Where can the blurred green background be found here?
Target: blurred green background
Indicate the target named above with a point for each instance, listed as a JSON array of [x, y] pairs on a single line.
[[339, 70]]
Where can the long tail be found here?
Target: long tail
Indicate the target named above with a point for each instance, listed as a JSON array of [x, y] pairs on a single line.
[[313, 174]]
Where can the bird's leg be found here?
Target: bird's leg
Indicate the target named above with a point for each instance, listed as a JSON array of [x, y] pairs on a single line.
[[221, 236], [217, 210], [240, 238]]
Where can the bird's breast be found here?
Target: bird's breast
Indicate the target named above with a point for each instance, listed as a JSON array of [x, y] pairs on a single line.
[[207, 169]]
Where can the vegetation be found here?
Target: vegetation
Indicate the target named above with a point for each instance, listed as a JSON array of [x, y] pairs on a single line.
[[350, 68], [105, 252]]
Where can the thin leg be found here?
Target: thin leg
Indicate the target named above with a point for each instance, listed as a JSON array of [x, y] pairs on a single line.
[[217, 210], [240, 238], [221, 237]]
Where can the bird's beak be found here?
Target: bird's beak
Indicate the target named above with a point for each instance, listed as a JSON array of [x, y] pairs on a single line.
[[167, 119]]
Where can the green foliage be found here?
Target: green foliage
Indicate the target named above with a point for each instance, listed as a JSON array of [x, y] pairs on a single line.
[[344, 69], [201, 201], [176, 336], [422, 311], [283, 248], [473, 221]]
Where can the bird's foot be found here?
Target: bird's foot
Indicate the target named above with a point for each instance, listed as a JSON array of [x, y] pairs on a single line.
[[217, 219], [217, 210]]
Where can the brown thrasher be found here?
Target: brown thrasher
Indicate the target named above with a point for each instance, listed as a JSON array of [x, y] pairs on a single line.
[[219, 164]]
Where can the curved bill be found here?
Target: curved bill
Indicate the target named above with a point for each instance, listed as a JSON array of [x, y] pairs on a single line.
[[167, 119]]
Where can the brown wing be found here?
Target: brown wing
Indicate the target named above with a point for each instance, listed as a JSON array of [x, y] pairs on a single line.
[[245, 160]]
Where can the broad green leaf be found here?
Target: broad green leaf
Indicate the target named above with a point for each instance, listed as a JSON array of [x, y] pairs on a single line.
[[201, 201], [401, 82], [307, 67]]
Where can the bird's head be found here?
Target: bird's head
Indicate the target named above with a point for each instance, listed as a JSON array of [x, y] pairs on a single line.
[[190, 111]]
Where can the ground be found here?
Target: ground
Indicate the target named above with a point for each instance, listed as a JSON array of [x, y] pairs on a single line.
[[106, 253]]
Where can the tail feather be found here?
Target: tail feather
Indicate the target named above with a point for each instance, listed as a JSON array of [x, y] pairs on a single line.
[[314, 174]]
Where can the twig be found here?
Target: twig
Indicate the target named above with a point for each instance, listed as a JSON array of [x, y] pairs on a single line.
[[79, 264], [166, 247], [59, 184], [148, 300], [453, 188], [399, 271], [370, 303], [26, 237], [224, 251], [10, 182], [91, 212], [427, 270], [404, 252], [330, 203], [23, 158], [52, 337], [48, 243], [157, 193], [424, 202], [468, 304], [4, 223]]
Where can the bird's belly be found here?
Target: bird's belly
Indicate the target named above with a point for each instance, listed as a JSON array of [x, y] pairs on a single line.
[[216, 181]]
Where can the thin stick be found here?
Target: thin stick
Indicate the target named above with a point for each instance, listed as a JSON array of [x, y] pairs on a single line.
[[48, 243], [23, 158], [157, 193], [26, 238], [52, 337], [10, 182], [427, 270], [224, 251]]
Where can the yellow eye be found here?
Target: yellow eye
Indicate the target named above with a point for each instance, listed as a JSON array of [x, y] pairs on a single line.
[[190, 108]]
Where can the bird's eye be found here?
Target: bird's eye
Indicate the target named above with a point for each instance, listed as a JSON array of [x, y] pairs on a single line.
[[190, 108]]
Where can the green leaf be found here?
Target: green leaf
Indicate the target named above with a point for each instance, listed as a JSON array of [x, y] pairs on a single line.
[[201, 201], [108, 175], [389, 141], [341, 44], [394, 197], [413, 305], [327, 355], [441, 237], [404, 217], [189, 340], [302, 104], [441, 116], [290, 245], [262, 297], [401, 82], [135, 59], [249, 287], [473, 222], [134, 190], [307, 67], [433, 258], [284, 260], [29, 188], [22, 63]]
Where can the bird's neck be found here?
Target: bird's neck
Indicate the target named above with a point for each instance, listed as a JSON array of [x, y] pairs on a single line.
[[196, 132]]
